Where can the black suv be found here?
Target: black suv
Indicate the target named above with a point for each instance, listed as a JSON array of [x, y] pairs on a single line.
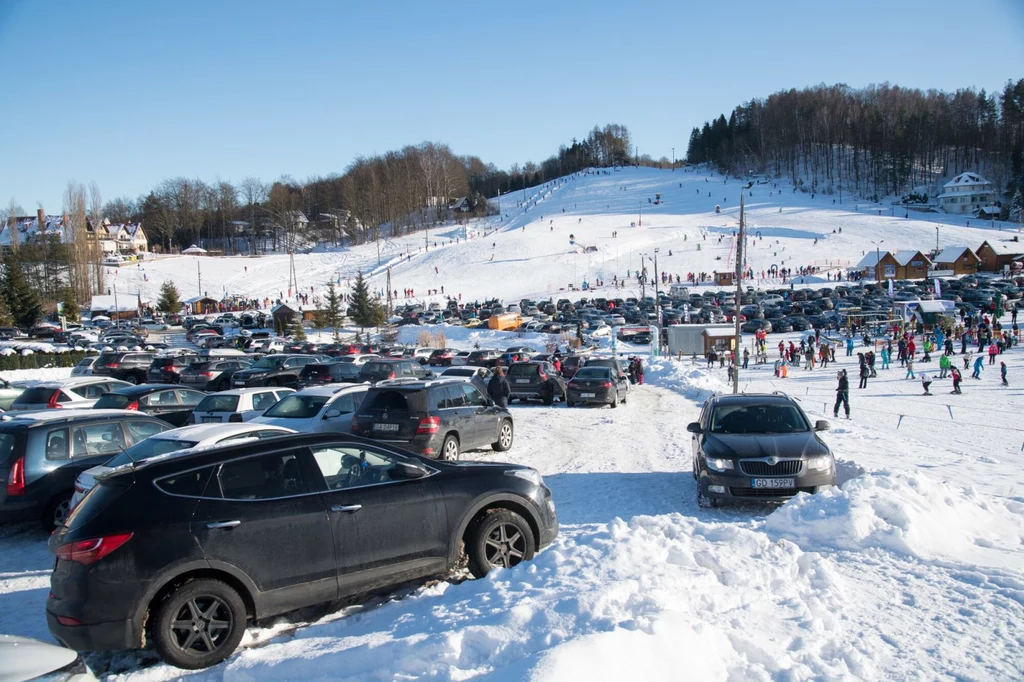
[[329, 373], [212, 375], [273, 370], [379, 370], [484, 358], [536, 380], [182, 551], [130, 367], [167, 369], [758, 446], [437, 418], [42, 453]]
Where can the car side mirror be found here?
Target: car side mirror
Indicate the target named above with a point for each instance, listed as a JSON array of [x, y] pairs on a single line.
[[821, 425], [694, 427], [332, 414], [407, 471]]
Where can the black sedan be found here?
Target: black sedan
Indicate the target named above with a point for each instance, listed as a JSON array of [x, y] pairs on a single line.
[[596, 385], [171, 403], [351, 515]]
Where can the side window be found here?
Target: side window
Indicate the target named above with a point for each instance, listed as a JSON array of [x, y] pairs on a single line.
[[262, 478], [439, 398], [141, 430], [347, 403], [189, 483], [163, 398], [105, 438], [473, 397], [456, 398], [94, 391], [57, 444], [354, 467], [190, 398], [263, 401]]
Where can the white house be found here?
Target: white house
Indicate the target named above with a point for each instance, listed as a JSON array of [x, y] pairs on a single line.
[[34, 229], [967, 193]]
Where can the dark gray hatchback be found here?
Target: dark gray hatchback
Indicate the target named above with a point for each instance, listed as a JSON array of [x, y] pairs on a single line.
[[758, 447]]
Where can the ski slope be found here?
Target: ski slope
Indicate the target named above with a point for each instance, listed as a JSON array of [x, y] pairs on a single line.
[[529, 254]]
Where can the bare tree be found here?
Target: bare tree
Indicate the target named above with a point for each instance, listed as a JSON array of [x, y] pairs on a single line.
[[254, 192]]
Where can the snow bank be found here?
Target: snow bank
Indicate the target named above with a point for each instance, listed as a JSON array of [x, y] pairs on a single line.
[[647, 599], [30, 377], [684, 378], [908, 513]]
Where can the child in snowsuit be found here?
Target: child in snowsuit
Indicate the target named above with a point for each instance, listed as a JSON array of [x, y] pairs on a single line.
[[1002, 373], [957, 378], [978, 364]]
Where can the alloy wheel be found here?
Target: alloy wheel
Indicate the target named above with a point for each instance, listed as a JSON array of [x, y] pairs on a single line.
[[201, 625], [505, 546], [505, 436]]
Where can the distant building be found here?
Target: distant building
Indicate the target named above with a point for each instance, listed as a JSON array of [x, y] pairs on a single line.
[[967, 193], [996, 255], [34, 230], [911, 264], [879, 265], [959, 260], [123, 238]]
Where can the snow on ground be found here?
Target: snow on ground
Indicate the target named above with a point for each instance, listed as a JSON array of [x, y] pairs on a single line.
[[911, 570]]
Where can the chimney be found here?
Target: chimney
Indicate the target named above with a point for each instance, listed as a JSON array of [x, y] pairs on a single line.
[[41, 215]]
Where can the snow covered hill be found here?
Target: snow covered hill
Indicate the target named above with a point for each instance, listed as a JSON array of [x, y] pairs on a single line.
[[530, 252]]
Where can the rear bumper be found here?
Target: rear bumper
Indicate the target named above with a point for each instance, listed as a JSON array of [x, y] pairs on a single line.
[[600, 397], [113, 636]]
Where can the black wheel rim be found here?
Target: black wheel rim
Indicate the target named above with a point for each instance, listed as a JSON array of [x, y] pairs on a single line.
[[505, 546], [60, 512], [201, 625]]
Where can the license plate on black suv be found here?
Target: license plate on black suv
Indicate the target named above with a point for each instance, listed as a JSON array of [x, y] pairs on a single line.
[[385, 427], [769, 483]]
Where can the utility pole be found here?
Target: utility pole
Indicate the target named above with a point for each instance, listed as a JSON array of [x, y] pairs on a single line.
[[117, 313], [389, 292], [199, 270], [656, 342], [739, 299]]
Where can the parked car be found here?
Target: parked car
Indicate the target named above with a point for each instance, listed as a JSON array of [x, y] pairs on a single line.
[[131, 366], [22, 658], [535, 380], [273, 370], [571, 364], [125, 570], [484, 358], [758, 447], [379, 370], [596, 385], [175, 440], [41, 454], [84, 367], [461, 358], [213, 374], [171, 403], [611, 362], [167, 369], [317, 410], [66, 394], [442, 357], [8, 394], [329, 373], [435, 418], [481, 375], [237, 405]]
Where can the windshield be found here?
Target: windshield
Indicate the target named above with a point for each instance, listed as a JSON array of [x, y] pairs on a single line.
[[268, 363], [151, 447], [746, 419], [297, 407], [218, 403]]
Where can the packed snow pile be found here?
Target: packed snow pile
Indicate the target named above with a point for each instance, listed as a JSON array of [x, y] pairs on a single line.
[[686, 379], [910, 514], [643, 599]]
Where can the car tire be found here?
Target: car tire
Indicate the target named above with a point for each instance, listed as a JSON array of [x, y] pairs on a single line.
[[569, 403], [56, 512], [181, 627], [615, 402], [506, 435], [449, 449], [499, 538], [132, 379], [224, 385]]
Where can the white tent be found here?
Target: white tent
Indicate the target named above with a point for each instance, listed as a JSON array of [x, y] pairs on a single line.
[[194, 251]]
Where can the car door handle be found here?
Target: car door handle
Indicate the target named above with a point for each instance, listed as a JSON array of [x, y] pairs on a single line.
[[223, 524], [346, 508]]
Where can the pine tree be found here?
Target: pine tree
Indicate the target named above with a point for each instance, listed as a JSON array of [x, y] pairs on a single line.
[[1017, 207], [71, 311], [298, 333], [6, 319], [21, 297], [332, 310], [170, 300], [364, 310]]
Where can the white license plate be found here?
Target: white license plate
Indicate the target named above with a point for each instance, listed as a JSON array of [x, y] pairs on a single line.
[[772, 483], [211, 420], [588, 395], [385, 427], [522, 381]]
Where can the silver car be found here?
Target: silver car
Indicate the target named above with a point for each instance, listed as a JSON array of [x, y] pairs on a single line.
[[69, 393]]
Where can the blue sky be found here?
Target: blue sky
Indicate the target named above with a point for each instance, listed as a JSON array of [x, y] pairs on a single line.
[[130, 93]]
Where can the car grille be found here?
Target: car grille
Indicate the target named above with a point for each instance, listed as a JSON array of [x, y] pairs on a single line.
[[753, 467], [768, 492]]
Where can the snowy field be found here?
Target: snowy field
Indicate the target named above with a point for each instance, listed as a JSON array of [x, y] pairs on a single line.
[[912, 570]]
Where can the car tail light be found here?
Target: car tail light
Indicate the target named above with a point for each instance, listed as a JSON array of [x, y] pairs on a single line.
[[133, 405], [53, 404], [112, 365], [68, 620], [428, 425], [355, 424], [87, 552], [391, 376], [607, 384], [543, 376], [235, 417], [16, 479], [208, 375]]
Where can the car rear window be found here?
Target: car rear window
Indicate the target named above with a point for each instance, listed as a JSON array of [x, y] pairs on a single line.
[[112, 401], [218, 403], [389, 401], [7, 443], [593, 373], [526, 370], [297, 407], [315, 370], [39, 395], [107, 358]]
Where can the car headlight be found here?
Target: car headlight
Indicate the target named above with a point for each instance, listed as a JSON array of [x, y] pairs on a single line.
[[531, 475], [721, 464], [820, 463]]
